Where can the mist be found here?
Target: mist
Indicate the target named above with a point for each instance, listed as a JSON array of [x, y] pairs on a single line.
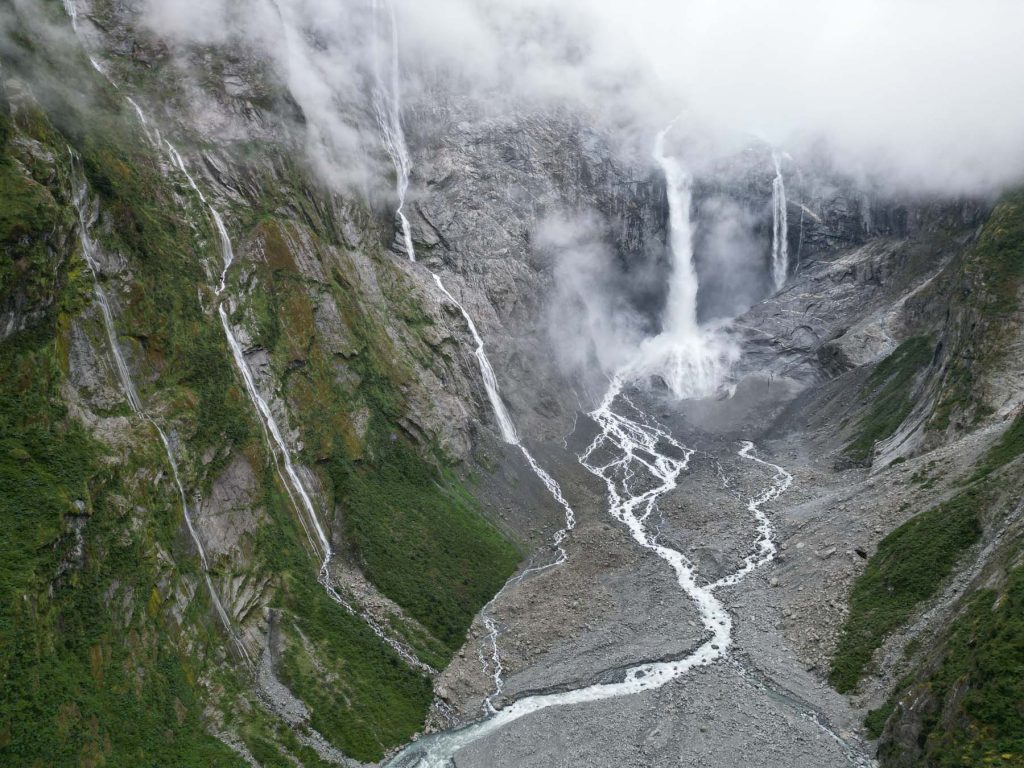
[[591, 319], [898, 95], [922, 95]]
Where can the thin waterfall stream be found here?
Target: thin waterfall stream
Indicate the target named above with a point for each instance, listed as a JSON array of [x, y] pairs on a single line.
[[388, 108], [290, 475], [86, 219]]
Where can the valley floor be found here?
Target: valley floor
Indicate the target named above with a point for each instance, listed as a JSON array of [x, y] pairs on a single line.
[[614, 604]]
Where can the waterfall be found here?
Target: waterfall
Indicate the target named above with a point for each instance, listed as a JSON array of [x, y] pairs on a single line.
[[72, 12], [681, 311], [865, 214], [291, 479], [508, 429], [86, 218], [690, 360], [780, 227], [388, 109]]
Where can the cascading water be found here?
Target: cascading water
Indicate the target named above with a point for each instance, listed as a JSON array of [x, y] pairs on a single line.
[[780, 227], [681, 310], [86, 219], [388, 108], [638, 460], [293, 484], [690, 360], [72, 12], [290, 477]]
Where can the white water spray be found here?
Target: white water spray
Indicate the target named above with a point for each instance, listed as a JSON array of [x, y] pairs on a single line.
[[681, 312], [86, 218], [780, 227], [692, 361]]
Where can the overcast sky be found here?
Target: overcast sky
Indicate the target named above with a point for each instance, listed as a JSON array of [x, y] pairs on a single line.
[[930, 92]]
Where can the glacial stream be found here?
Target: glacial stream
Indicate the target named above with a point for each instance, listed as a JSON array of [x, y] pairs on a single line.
[[638, 461]]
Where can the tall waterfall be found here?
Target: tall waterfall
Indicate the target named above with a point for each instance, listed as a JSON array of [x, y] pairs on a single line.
[[690, 360], [780, 227], [86, 219], [681, 311]]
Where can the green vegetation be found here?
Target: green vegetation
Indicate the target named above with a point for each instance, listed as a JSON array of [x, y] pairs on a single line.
[[363, 697], [91, 669], [76, 687], [889, 391], [1009, 446], [876, 719], [29, 219], [909, 567], [98, 667], [991, 276], [428, 550], [976, 688], [416, 532]]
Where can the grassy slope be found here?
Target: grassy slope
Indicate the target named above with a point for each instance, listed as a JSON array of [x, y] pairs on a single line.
[[81, 682], [909, 567], [414, 529], [78, 686], [913, 560], [889, 394], [966, 693], [974, 714], [409, 521]]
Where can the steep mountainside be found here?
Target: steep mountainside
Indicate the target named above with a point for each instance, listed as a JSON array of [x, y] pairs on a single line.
[[260, 497]]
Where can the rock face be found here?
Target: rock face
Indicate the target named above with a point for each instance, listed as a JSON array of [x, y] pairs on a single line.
[[490, 198], [367, 406]]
